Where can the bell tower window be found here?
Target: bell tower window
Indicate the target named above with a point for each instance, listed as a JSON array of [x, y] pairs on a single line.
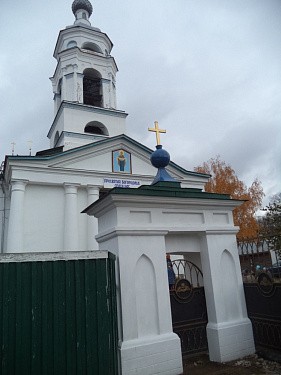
[[71, 44], [96, 127], [89, 46], [92, 88]]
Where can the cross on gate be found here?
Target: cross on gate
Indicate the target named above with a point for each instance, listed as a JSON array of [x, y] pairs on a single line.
[[157, 131]]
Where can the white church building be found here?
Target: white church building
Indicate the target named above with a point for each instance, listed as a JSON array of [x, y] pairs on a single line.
[[43, 196]]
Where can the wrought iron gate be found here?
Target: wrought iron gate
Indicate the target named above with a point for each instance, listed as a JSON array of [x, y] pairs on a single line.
[[188, 306], [261, 270]]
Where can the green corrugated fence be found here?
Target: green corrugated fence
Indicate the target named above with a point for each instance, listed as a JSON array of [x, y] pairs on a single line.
[[58, 317]]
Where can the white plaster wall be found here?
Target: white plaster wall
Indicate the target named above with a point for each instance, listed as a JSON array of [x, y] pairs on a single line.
[[183, 217], [6, 222], [84, 35], [2, 219], [184, 229], [59, 128], [70, 140], [69, 88], [147, 344], [138, 164], [182, 243], [217, 268], [75, 120], [229, 330], [94, 162], [43, 218]]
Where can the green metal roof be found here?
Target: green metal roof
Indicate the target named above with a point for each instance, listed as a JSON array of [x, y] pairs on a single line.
[[169, 189], [164, 189]]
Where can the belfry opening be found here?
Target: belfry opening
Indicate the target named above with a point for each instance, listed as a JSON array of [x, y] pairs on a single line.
[[92, 88]]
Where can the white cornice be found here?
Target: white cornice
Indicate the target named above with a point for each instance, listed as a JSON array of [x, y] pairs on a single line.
[[119, 231], [84, 107], [56, 176], [53, 256], [123, 200], [162, 231]]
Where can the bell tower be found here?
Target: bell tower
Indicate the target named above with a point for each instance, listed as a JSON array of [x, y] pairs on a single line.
[[84, 84]]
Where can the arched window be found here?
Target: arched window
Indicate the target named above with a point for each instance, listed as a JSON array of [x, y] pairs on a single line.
[[71, 44], [92, 88], [96, 127], [91, 47], [84, 16]]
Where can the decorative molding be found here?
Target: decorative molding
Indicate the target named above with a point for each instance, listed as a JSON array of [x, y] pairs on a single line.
[[119, 231], [49, 256]]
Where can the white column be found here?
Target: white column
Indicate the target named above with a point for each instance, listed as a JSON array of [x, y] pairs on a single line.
[[147, 344], [16, 218], [106, 93], [75, 87], [80, 98], [70, 218], [229, 329], [63, 86], [93, 195]]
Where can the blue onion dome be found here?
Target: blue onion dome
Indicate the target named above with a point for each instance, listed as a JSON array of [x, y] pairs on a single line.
[[160, 158], [82, 4]]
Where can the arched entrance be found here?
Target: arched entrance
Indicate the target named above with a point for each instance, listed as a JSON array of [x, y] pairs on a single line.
[[188, 306]]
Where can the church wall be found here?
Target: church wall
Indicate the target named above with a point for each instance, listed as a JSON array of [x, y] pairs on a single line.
[[48, 204], [59, 128], [102, 162], [43, 218], [81, 37], [2, 218], [77, 120], [138, 165], [82, 220], [69, 87]]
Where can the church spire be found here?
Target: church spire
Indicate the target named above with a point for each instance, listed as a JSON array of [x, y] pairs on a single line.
[[82, 10]]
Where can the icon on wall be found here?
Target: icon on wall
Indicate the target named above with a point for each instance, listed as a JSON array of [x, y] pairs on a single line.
[[121, 161]]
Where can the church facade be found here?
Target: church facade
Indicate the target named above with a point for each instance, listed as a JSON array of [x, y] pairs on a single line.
[[51, 202], [42, 196]]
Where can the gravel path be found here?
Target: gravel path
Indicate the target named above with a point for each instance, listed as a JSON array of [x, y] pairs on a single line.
[[252, 365]]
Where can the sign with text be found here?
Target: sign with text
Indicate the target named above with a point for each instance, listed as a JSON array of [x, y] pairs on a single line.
[[120, 182]]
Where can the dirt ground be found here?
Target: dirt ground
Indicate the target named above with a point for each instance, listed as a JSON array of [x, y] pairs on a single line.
[[252, 365]]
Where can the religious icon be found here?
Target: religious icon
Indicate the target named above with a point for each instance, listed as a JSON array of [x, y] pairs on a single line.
[[121, 161]]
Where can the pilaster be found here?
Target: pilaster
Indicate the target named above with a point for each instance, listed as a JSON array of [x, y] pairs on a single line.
[[15, 236], [229, 329], [71, 242], [92, 222]]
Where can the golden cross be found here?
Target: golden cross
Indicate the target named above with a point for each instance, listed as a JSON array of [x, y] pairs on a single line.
[[157, 131]]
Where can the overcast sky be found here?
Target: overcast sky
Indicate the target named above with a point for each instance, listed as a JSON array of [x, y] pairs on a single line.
[[208, 70]]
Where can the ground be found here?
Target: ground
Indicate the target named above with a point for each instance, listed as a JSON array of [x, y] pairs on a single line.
[[252, 365]]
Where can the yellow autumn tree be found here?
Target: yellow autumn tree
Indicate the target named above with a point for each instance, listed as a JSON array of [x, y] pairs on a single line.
[[225, 181]]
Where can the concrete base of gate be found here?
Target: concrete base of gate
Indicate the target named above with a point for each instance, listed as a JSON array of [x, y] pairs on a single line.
[[159, 354], [229, 341]]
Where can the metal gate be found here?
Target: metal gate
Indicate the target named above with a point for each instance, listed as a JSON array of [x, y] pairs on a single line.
[[261, 270], [58, 314], [188, 307]]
